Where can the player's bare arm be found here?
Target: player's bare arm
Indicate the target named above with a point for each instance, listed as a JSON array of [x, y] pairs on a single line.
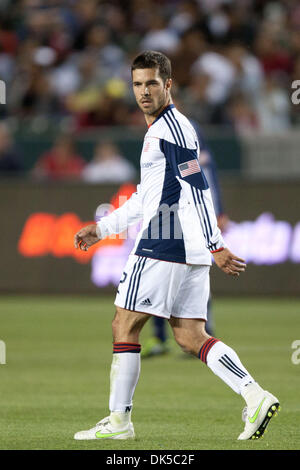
[[229, 263], [86, 237]]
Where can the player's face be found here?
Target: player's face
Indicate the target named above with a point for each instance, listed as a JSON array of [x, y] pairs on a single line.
[[152, 94]]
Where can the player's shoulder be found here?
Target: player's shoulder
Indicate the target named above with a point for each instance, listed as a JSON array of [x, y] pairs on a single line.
[[185, 123], [177, 129]]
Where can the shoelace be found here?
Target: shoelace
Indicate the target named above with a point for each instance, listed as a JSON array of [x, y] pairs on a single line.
[[104, 422]]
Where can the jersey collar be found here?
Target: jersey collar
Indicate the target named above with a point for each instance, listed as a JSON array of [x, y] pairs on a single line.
[[164, 111]]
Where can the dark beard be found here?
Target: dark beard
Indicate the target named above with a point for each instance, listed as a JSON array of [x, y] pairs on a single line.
[[157, 111]]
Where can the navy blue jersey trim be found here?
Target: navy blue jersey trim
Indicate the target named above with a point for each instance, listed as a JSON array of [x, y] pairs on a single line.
[[206, 211], [176, 154], [175, 128], [180, 130], [207, 224], [136, 283], [162, 256], [199, 210], [210, 168], [139, 262], [164, 111], [169, 126], [164, 234], [130, 282]]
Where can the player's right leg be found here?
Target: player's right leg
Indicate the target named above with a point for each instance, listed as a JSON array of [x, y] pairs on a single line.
[[124, 375], [142, 291], [147, 287]]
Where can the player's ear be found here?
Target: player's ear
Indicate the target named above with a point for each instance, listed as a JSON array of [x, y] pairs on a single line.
[[168, 84]]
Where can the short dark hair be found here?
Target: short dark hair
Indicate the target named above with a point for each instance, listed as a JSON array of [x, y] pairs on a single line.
[[153, 60]]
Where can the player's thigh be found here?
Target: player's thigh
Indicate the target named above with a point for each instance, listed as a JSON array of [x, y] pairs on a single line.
[[189, 313], [127, 325], [149, 286], [193, 295]]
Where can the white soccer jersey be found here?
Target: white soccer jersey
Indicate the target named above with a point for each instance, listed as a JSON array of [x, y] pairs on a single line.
[[173, 198]]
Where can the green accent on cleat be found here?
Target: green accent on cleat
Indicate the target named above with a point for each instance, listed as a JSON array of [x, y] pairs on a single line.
[[264, 420], [155, 347], [253, 418]]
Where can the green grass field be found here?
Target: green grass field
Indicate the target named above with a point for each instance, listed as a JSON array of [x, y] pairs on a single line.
[[56, 377]]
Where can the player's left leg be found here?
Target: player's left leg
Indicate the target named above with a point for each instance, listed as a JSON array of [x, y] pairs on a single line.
[[189, 332], [157, 344], [225, 363]]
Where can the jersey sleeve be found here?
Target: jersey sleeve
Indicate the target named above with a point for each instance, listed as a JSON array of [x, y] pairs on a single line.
[[210, 170], [130, 213], [209, 166], [186, 168]]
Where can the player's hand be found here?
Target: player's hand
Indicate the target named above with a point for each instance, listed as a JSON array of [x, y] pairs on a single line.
[[229, 263], [86, 237]]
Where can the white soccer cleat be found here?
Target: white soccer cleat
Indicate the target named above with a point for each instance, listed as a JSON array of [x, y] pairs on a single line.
[[105, 430], [257, 417]]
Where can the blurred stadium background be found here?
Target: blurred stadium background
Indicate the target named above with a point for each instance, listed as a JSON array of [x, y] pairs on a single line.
[[71, 135]]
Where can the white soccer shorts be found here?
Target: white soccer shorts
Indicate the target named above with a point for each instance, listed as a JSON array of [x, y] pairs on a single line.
[[163, 288]]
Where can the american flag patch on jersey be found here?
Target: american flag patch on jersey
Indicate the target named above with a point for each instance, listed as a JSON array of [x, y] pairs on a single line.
[[189, 168]]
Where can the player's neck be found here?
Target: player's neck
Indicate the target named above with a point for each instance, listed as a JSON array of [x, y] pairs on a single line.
[[150, 118]]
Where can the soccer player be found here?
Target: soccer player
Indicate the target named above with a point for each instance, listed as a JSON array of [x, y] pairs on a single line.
[[167, 273]]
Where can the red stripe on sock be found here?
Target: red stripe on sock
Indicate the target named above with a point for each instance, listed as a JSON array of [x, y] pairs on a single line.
[[202, 355], [206, 348], [126, 347]]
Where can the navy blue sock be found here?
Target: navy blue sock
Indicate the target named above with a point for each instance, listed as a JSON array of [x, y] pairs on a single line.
[[160, 327]]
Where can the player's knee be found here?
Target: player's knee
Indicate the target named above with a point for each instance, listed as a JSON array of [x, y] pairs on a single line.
[[190, 343], [120, 326], [183, 341], [115, 326]]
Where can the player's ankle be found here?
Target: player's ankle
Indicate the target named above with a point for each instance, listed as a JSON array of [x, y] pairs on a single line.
[[120, 419], [250, 391]]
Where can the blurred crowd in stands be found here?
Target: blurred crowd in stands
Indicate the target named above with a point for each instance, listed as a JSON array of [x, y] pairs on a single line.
[[233, 62], [63, 162]]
